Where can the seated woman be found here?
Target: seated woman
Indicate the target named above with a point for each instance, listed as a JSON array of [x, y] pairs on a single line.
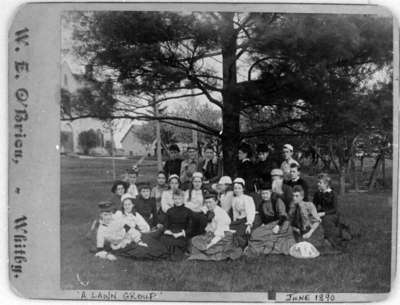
[[275, 236], [119, 235], [161, 186], [177, 227], [167, 201], [305, 220], [325, 201], [118, 189], [130, 178], [218, 242], [146, 206], [194, 201], [244, 212], [225, 194]]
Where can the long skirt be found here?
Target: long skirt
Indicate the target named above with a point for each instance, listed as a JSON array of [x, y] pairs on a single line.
[[240, 227], [154, 250], [264, 241], [226, 248], [176, 246]]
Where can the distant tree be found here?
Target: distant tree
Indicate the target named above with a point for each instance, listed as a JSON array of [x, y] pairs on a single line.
[[87, 139]]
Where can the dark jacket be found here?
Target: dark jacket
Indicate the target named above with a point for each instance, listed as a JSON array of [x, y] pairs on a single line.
[[326, 202], [245, 170], [212, 172], [173, 167], [300, 182], [263, 171], [148, 209]]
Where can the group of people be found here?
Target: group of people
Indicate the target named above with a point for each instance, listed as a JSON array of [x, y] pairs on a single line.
[[196, 213]]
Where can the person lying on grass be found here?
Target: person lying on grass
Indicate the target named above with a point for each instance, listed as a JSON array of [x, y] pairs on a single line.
[[305, 219], [113, 233], [218, 242], [118, 189], [177, 227]]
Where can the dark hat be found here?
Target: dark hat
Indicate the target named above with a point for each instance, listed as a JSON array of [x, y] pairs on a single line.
[[106, 206], [211, 194], [174, 147], [246, 148], [119, 182], [262, 148]]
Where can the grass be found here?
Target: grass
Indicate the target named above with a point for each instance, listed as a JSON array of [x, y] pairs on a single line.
[[365, 269]]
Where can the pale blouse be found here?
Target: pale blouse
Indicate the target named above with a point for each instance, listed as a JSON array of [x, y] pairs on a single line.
[[243, 207], [132, 190], [220, 222], [134, 221], [167, 201], [196, 203], [225, 200], [115, 234]]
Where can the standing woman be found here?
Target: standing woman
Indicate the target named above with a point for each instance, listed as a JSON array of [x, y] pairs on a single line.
[[167, 200], [194, 201], [244, 212], [161, 186], [245, 168]]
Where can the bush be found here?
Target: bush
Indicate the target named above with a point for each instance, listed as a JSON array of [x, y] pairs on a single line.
[[87, 139]]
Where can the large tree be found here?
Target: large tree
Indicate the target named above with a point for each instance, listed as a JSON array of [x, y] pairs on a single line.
[[243, 63]]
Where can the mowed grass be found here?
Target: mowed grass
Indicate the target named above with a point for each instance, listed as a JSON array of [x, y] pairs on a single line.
[[365, 268]]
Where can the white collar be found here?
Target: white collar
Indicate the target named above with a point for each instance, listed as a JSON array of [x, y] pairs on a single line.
[[245, 159], [328, 190], [297, 179]]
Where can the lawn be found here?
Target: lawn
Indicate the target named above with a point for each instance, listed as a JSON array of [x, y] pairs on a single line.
[[365, 268]]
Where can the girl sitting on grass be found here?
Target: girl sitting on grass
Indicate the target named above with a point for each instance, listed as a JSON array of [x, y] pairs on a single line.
[[244, 212], [177, 227], [194, 201], [305, 220], [127, 234], [167, 200], [325, 201], [218, 242]]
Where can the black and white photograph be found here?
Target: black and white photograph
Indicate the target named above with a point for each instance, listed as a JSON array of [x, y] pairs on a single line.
[[228, 153]]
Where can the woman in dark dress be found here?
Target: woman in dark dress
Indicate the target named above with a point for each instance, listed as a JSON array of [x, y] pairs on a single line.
[[245, 167], [177, 227], [146, 205], [275, 236], [325, 201]]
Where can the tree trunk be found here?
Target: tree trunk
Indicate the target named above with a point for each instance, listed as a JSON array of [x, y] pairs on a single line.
[[355, 174], [342, 179], [158, 139], [383, 169], [231, 101], [374, 173]]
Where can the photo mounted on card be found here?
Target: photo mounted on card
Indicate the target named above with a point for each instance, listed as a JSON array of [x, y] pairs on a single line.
[[203, 152]]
